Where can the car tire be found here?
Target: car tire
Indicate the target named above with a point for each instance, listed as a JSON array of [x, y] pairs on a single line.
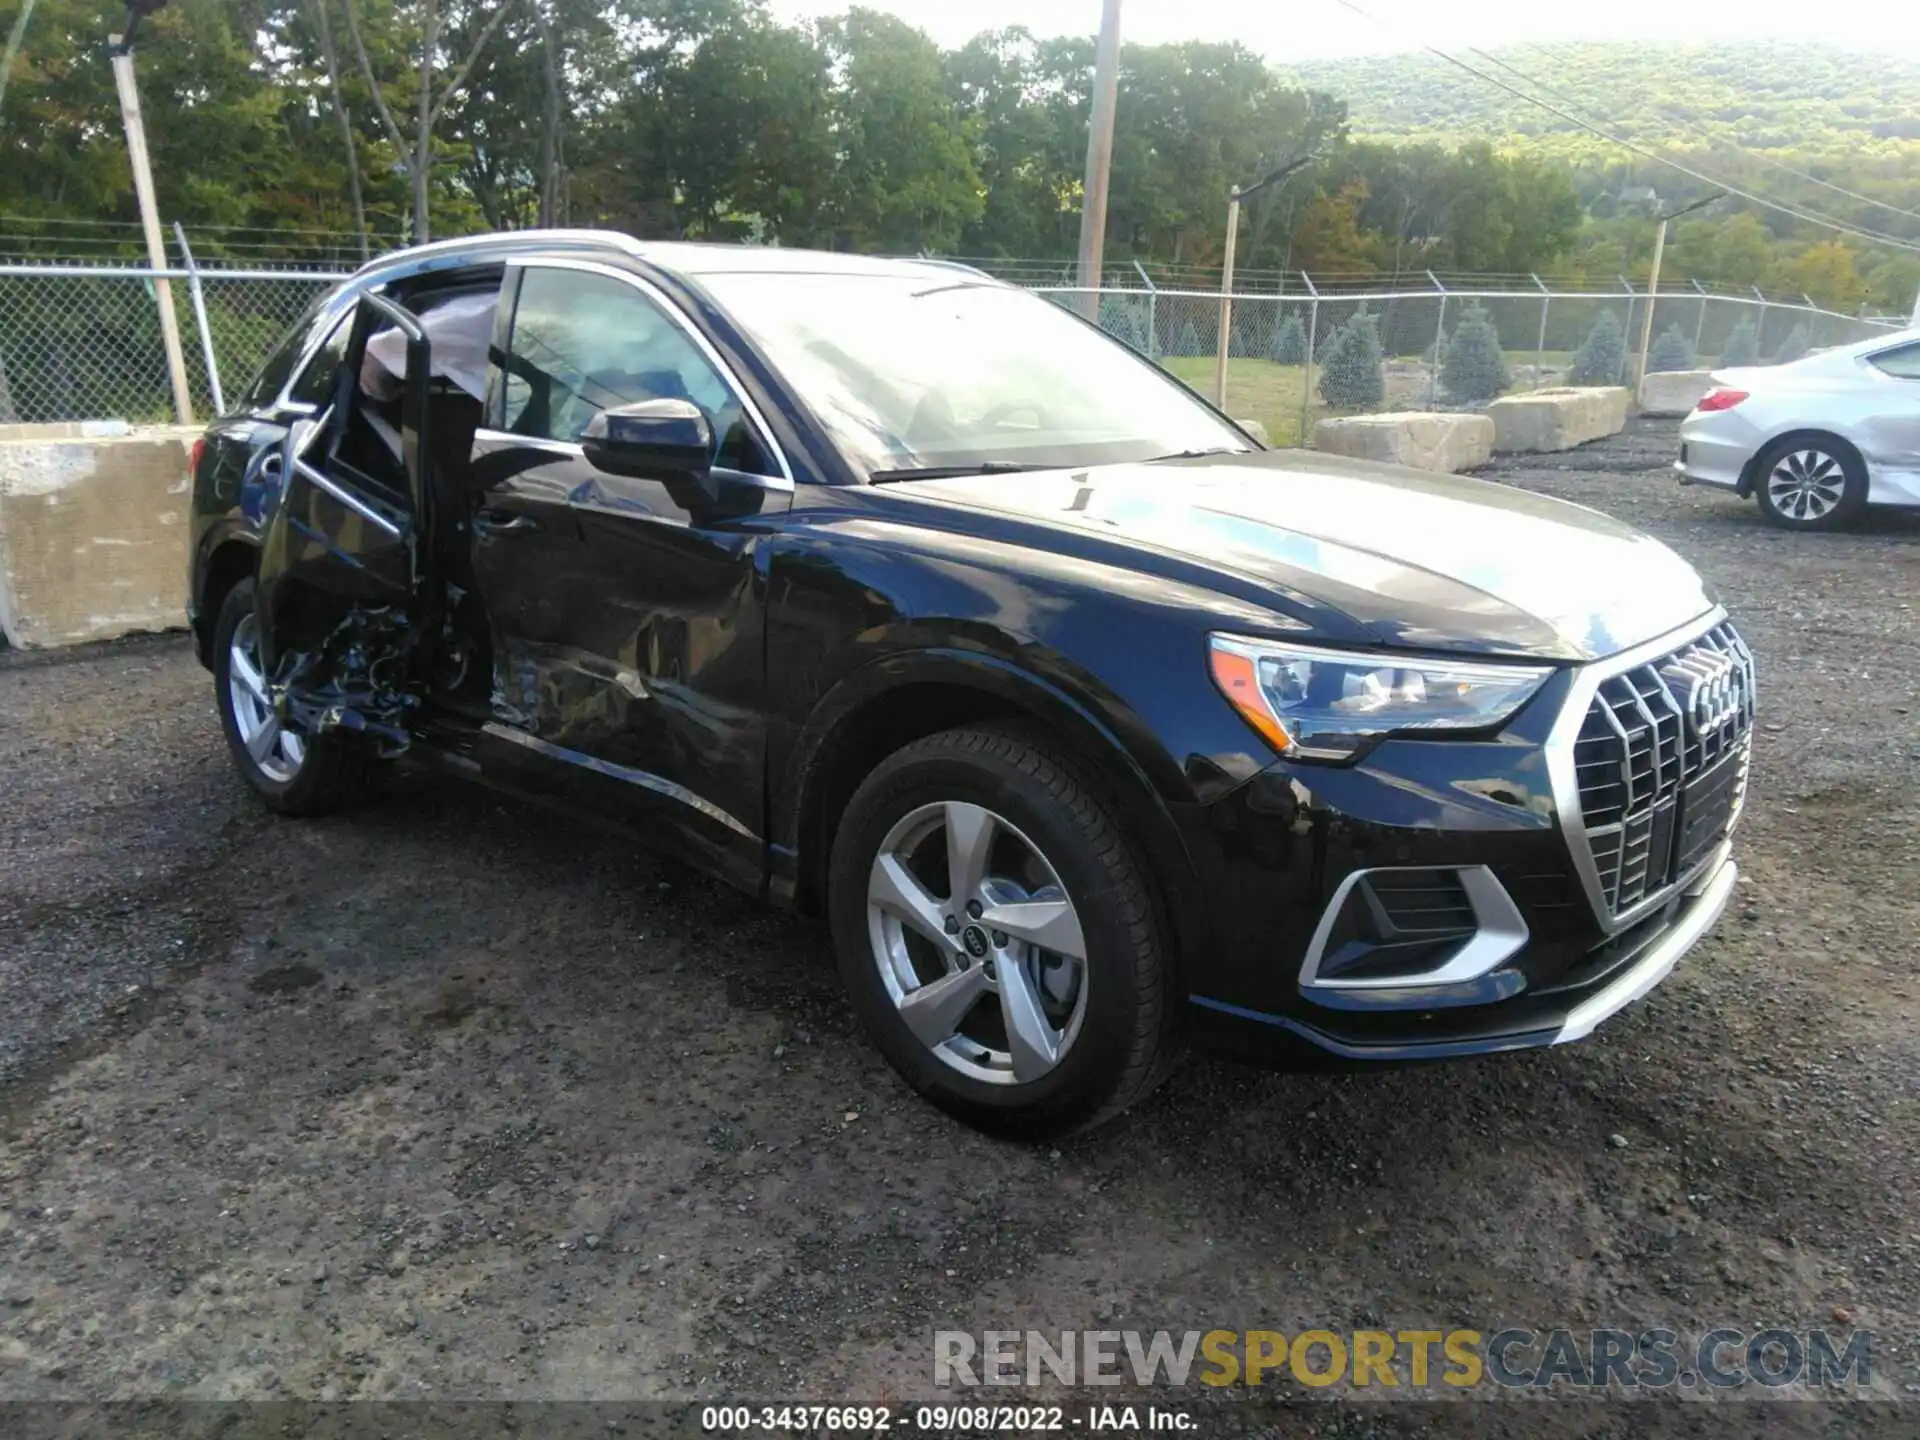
[[1057, 858], [1810, 482], [295, 775]]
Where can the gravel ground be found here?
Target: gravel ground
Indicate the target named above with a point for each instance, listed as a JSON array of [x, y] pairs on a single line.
[[449, 1099]]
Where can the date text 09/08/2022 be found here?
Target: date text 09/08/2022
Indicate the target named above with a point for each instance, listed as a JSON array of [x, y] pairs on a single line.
[[941, 1419]]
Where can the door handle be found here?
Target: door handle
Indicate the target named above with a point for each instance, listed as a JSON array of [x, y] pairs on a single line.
[[503, 522]]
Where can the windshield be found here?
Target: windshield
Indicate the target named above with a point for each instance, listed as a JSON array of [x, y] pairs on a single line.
[[917, 372]]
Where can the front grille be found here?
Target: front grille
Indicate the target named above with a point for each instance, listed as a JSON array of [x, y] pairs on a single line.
[[1661, 762]]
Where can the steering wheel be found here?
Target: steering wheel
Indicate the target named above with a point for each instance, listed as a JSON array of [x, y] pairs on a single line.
[[1001, 412]]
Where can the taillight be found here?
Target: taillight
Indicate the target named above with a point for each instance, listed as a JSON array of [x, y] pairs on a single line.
[[1720, 399], [193, 456]]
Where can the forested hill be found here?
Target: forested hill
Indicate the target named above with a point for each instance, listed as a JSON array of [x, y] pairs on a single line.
[[1761, 94]]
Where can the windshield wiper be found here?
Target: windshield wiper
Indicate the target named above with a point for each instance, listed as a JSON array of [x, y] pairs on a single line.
[[1197, 454], [951, 472]]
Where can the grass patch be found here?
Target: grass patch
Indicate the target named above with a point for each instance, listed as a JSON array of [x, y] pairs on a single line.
[[1256, 390]]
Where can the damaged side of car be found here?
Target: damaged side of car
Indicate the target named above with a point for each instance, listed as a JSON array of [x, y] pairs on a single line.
[[351, 595]]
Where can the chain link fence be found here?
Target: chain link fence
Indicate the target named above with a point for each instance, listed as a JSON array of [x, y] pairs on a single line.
[[1547, 337], [83, 342]]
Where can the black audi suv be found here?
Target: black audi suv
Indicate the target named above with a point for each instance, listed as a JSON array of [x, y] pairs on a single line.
[[896, 594]]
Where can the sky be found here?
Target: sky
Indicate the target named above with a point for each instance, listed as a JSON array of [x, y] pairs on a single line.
[[1289, 30]]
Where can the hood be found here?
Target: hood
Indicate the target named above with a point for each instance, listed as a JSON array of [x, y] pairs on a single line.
[[1415, 560]]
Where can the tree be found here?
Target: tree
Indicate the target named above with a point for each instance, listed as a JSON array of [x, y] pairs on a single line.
[[749, 133], [1475, 368], [1289, 342], [905, 180], [1743, 345], [430, 100], [1353, 376], [1602, 356], [1189, 341], [1506, 214], [1827, 272], [1123, 320], [1023, 106], [1329, 239], [1671, 351], [1798, 342], [330, 55], [1735, 251]]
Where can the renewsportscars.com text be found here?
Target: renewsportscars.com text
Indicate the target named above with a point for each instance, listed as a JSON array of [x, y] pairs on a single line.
[[1600, 1358]]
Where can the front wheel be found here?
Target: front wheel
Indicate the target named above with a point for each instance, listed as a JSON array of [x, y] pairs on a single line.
[[1810, 483], [998, 937], [293, 773]]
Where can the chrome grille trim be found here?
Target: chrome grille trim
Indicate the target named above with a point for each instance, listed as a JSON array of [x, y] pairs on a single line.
[[1622, 853]]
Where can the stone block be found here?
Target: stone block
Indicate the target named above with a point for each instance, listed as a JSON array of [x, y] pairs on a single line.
[[1422, 439], [1558, 419], [1673, 392], [93, 535]]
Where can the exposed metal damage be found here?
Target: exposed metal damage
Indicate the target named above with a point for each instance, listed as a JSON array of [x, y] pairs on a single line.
[[354, 680]]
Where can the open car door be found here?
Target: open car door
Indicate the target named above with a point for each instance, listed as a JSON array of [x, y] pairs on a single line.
[[348, 590]]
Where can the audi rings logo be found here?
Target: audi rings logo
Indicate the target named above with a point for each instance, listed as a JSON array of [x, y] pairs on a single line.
[[1709, 687]]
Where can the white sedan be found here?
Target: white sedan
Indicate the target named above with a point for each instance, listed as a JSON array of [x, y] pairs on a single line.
[[1817, 440]]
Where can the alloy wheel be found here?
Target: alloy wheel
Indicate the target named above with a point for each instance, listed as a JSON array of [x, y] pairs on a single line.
[[1806, 485], [278, 751], [977, 942]]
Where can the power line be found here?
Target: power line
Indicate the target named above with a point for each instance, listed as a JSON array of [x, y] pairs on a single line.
[[1710, 137], [1825, 222]]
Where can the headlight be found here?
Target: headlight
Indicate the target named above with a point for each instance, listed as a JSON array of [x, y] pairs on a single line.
[[1326, 704]]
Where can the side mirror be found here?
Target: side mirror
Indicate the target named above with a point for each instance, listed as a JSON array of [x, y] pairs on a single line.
[[666, 440]]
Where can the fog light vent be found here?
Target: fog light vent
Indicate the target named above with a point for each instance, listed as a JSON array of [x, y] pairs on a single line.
[[1413, 927]]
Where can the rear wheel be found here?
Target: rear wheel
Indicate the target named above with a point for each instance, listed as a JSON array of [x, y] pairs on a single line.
[[295, 774], [997, 935], [1810, 483]]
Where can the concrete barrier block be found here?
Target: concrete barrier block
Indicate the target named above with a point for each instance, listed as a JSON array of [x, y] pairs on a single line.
[[1673, 392], [1558, 419], [1255, 429], [1422, 439], [93, 535]]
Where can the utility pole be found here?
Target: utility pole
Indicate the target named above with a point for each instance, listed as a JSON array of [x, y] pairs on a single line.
[[1234, 197], [121, 49], [1093, 205], [1653, 285]]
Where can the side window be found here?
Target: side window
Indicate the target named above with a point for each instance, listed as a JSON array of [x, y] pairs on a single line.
[[315, 383], [279, 365], [583, 343], [1902, 364]]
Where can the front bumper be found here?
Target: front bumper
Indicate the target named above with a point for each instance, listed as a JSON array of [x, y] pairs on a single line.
[[1571, 1012], [1279, 856]]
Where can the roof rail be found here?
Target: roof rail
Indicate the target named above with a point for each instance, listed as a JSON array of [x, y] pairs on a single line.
[[504, 239]]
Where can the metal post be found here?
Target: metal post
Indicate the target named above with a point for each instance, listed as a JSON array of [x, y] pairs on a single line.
[[1653, 300], [150, 223], [200, 319], [1700, 320], [1439, 339], [1153, 311], [1760, 336], [1627, 330], [1313, 340], [1540, 349], [1093, 204], [1225, 338]]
